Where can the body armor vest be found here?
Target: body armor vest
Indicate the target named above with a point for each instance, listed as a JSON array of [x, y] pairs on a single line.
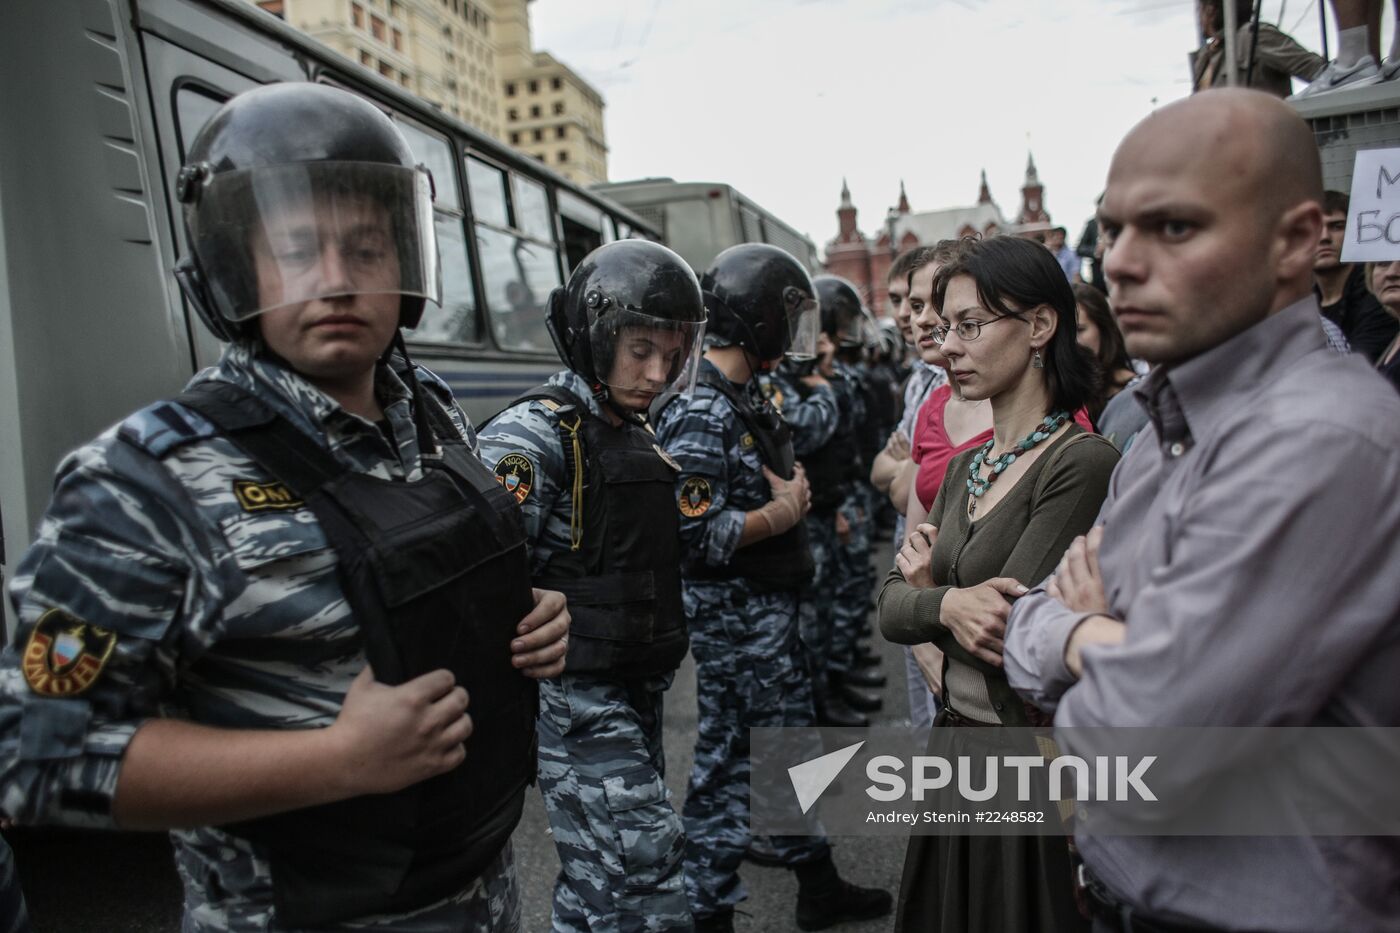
[[781, 562], [623, 581], [436, 574], [833, 467]]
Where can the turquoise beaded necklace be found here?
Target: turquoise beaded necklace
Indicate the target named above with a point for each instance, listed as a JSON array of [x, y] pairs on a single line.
[[977, 487]]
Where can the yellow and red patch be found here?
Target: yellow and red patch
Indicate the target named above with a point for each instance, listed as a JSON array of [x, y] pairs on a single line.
[[65, 655], [516, 474], [695, 497]]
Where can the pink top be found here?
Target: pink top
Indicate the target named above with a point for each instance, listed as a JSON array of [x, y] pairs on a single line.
[[931, 448]]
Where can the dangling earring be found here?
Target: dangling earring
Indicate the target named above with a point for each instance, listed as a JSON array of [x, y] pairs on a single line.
[[1036, 361]]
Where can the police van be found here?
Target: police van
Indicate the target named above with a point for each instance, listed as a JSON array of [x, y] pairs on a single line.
[[101, 99]]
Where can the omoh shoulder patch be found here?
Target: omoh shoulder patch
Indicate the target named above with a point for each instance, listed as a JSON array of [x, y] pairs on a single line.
[[516, 474], [695, 497], [260, 497], [65, 655]]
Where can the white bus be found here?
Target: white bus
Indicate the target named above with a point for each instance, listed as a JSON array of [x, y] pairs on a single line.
[[101, 98]]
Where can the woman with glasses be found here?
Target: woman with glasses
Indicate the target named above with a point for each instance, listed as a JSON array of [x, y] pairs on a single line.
[[1002, 519]]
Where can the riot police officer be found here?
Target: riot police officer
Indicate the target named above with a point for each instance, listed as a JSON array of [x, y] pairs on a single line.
[[742, 500], [845, 323], [251, 611], [598, 498]]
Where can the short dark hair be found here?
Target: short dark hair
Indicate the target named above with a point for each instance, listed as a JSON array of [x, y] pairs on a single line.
[[1335, 202], [919, 257], [909, 260], [1012, 275], [901, 265]]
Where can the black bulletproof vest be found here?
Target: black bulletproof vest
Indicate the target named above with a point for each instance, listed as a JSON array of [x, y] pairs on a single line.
[[836, 464], [624, 582], [436, 573], [781, 562]]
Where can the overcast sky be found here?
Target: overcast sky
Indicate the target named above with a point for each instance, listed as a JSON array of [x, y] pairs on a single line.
[[782, 98]]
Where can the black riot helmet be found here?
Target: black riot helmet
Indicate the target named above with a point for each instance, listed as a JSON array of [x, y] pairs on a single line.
[[294, 192], [843, 315], [631, 301], [761, 299]]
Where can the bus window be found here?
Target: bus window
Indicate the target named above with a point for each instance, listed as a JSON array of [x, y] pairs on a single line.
[[519, 262], [487, 187], [518, 275], [434, 152], [583, 226], [532, 209], [456, 321]]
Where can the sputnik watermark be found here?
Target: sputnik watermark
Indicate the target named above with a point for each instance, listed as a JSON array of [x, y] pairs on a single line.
[[1069, 777], [1101, 780]]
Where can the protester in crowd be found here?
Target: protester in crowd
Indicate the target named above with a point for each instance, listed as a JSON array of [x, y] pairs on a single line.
[[946, 424], [1067, 258], [1385, 278], [1099, 334], [923, 377], [926, 349], [1358, 49], [894, 470], [1008, 336], [1278, 58], [1091, 249], [1236, 579], [1341, 287]]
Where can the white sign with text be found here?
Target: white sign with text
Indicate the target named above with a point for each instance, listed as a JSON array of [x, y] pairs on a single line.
[[1373, 223]]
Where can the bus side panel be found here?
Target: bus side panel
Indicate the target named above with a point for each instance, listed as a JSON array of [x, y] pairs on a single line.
[[94, 333], [483, 387]]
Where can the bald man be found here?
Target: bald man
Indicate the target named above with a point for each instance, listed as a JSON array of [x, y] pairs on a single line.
[[1243, 570]]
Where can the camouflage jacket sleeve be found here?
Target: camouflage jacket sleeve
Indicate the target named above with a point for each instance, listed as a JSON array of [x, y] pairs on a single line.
[[698, 433], [115, 582], [523, 447], [443, 393], [814, 419]]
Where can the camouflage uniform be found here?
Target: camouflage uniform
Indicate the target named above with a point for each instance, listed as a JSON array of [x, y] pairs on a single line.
[[147, 539], [620, 841], [854, 578], [813, 419], [749, 666]]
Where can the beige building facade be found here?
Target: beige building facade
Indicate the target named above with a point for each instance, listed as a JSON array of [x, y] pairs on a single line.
[[473, 59], [547, 110]]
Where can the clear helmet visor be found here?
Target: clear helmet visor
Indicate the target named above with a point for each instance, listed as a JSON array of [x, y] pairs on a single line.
[[286, 234], [637, 353], [804, 318]]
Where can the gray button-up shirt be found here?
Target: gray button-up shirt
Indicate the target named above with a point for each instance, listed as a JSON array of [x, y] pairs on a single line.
[[1252, 546]]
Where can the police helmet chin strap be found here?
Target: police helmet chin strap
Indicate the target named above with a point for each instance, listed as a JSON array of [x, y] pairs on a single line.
[[427, 438]]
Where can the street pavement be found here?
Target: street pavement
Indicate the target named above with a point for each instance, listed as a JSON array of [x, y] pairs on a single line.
[[111, 883]]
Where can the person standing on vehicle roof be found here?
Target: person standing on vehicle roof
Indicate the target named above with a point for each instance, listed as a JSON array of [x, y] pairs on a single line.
[[251, 612], [598, 496], [745, 558]]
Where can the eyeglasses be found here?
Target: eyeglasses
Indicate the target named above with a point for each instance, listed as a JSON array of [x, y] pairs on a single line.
[[967, 331]]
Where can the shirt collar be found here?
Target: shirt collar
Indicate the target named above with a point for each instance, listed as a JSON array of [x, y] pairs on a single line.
[[292, 396], [1191, 398]]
